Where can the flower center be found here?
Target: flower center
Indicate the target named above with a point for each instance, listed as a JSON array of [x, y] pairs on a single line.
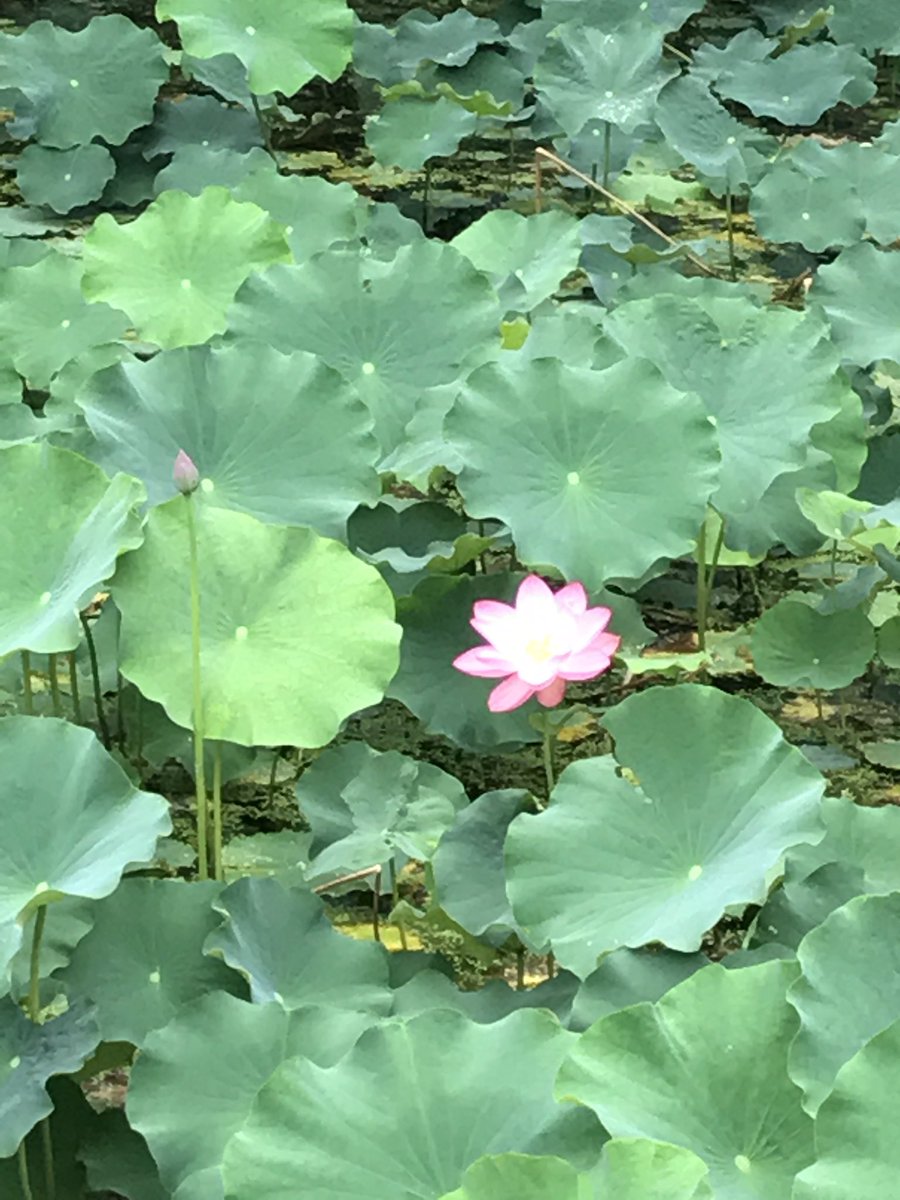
[[539, 649]]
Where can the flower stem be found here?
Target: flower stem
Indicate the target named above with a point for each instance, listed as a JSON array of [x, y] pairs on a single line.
[[95, 677], [199, 763], [548, 761], [607, 149], [217, 812], [53, 672], [729, 220], [34, 976], [27, 694], [706, 579], [24, 1177], [73, 688], [49, 1167], [395, 900]]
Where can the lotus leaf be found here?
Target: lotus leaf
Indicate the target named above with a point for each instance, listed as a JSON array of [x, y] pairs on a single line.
[[176, 268], [268, 678], [50, 575], [281, 44], [452, 1090], [554, 452], [311, 462], [398, 331], [99, 82], [689, 1070], [610, 864], [74, 822]]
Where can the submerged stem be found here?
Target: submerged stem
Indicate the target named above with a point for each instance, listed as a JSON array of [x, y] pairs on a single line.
[[395, 900], [95, 677], [265, 129], [24, 1177], [549, 773], [34, 974], [74, 690], [607, 154], [27, 693], [199, 763], [217, 812], [729, 220], [49, 1167], [53, 672]]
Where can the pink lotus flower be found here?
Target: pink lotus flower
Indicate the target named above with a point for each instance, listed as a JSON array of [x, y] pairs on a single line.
[[538, 646], [185, 474]]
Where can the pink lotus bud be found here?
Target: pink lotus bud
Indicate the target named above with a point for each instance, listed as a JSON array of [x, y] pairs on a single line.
[[185, 474]]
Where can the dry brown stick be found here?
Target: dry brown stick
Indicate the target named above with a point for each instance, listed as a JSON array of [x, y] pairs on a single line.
[[538, 184], [376, 892], [326, 887], [562, 165]]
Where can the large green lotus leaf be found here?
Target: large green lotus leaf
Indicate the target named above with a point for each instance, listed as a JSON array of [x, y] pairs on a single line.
[[195, 168], [283, 45], [640, 1169], [818, 211], [435, 621], [522, 1177], [869, 25], [394, 805], [282, 941], [176, 268], [628, 977], [396, 330], [320, 788], [526, 258], [857, 1149], [62, 525], [187, 1097], [310, 462], [315, 213], [425, 1098], [45, 321], [154, 930], [554, 452], [99, 82], [860, 178], [796, 646], [847, 991], [766, 376], [411, 130], [704, 1068], [837, 451], [64, 179], [860, 293], [393, 55], [629, 1169], [867, 839], [73, 821], [668, 14], [586, 75], [610, 864], [29, 1055], [200, 121], [702, 130], [296, 633], [798, 87], [469, 882]]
